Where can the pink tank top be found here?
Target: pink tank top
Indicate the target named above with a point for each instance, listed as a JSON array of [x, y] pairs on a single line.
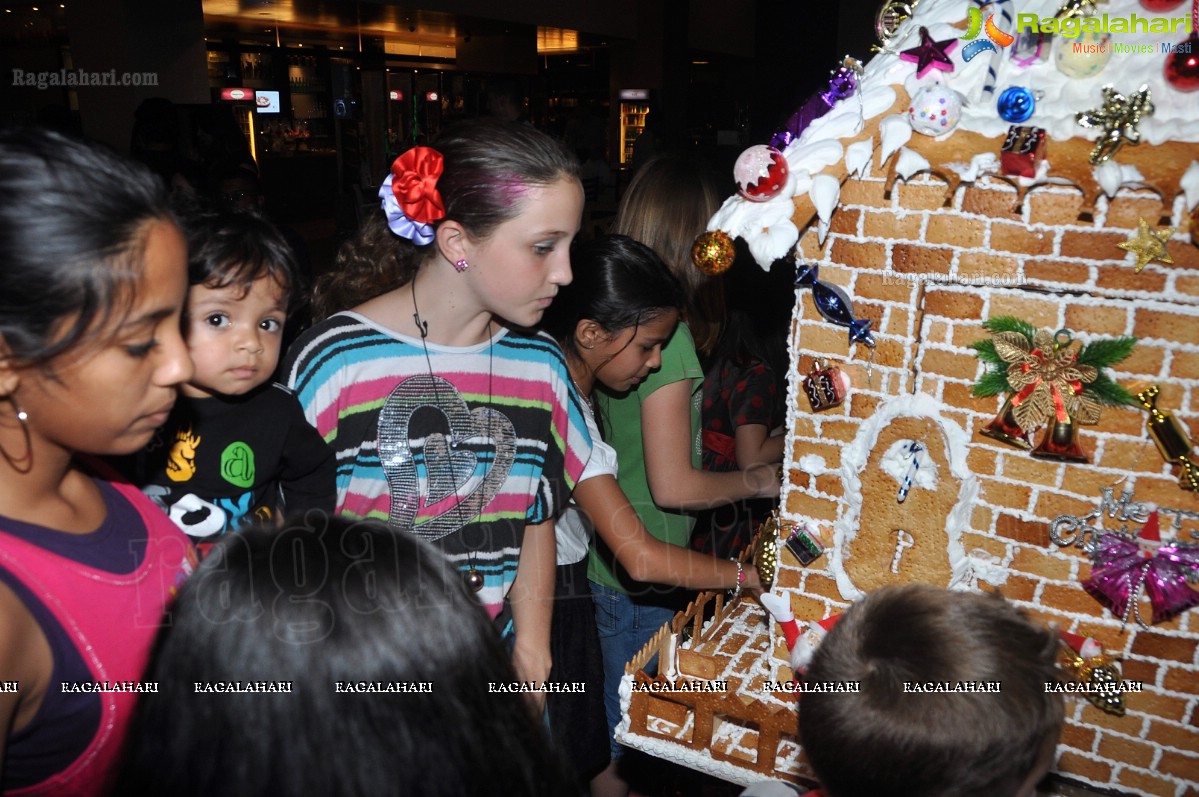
[[110, 618]]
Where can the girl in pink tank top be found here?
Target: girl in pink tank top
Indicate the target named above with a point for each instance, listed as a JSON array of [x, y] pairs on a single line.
[[92, 283]]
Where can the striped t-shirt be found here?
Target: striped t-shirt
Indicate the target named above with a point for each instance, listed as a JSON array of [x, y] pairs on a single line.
[[464, 453]]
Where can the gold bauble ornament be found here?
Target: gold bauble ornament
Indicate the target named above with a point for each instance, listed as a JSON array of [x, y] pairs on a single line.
[[766, 551], [713, 252]]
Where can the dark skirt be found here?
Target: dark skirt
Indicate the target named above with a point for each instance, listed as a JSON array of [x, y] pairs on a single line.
[[576, 719], [726, 530]]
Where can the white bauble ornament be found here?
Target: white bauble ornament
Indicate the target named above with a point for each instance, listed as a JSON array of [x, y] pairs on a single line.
[[935, 110]]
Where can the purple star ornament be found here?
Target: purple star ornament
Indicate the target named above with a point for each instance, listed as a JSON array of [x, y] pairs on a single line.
[[930, 54]]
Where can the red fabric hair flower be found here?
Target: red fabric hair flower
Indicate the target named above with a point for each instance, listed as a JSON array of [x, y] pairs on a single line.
[[414, 178]]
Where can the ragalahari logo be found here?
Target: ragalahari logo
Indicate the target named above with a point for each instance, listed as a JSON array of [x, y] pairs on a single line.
[[995, 35]]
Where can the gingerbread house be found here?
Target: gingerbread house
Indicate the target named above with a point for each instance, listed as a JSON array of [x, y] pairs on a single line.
[[1063, 193]]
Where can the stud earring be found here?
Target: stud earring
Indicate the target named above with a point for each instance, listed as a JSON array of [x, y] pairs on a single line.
[[461, 265], [24, 463]]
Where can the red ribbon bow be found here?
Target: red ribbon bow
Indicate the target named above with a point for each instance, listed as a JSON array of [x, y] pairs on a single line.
[[414, 178], [1059, 403]]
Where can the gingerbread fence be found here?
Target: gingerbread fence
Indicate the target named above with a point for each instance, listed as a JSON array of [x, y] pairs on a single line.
[[661, 708]]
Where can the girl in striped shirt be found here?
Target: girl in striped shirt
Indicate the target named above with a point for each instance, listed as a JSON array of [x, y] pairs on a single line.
[[450, 419]]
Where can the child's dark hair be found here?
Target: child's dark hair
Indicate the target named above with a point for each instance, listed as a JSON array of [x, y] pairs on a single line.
[[885, 740], [321, 601], [234, 248], [68, 207], [489, 165], [619, 283]]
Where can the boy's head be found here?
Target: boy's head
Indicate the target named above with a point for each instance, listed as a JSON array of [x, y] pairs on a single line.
[[896, 736], [240, 272], [238, 189]]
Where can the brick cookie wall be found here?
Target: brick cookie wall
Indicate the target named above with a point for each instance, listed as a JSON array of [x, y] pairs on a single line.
[[927, 268]]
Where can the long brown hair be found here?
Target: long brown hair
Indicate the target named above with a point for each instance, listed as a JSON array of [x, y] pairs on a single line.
[[489, 165], [667, 204]]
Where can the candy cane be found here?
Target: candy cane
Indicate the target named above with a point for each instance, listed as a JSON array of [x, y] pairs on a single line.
[[996, 32], [914, 450]]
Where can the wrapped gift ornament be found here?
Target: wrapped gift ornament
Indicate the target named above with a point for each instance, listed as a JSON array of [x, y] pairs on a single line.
[[825, 386], [801, 541], [1023, 150]]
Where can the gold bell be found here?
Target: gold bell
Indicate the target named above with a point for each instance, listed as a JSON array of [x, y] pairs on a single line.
[[1061, 442], [1005, 429]]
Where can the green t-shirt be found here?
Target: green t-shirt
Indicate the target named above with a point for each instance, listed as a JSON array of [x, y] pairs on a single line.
[[620, 419]]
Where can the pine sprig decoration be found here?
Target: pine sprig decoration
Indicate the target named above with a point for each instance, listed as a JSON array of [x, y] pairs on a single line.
[[992, 383], [995, 381], [1010, 323], [1099, 354], [1106, 352], [1110, 393], [986, 352]]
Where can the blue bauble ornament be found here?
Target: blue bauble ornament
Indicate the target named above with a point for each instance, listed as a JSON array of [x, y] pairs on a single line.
[[834, 305], [1016, 105]]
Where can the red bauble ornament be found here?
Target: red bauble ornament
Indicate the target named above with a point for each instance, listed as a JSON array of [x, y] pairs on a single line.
[[1182, 65], [1161, 6], [761, 173]]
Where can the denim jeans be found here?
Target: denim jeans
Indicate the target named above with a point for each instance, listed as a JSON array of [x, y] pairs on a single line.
[[624, 628]]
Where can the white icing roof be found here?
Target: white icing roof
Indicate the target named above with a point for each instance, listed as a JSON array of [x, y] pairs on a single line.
[[767, 226]]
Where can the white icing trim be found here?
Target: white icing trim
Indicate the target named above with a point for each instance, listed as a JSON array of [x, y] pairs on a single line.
[[895, 132], [1190, 185], [813, 464], [910, 162], [819, 145], [853, 461], [858, 157], [825, 193]]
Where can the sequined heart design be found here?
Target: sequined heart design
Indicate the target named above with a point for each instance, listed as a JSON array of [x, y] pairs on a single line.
[[441, 479]]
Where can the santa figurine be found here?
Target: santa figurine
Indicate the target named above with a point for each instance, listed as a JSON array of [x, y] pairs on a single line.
[[1086, 647], [1086, 663], [800, 644]]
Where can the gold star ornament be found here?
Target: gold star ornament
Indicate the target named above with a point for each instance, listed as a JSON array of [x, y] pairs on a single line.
[[1148, 245]]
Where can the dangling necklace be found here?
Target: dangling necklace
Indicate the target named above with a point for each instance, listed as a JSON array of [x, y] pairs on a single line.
[[584, 394], [474, 579]]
